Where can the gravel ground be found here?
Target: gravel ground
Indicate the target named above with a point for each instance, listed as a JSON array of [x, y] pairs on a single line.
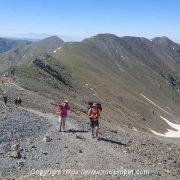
[[75, 150]]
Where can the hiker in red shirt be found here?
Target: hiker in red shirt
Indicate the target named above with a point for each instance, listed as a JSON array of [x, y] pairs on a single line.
[[63, 114]]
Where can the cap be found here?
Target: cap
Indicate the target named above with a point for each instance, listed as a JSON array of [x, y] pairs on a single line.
[[95, 105]]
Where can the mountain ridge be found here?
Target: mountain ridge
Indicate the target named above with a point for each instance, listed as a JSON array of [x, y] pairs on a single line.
[[28, 52], [129, 65], [135, 80], [7, 44]]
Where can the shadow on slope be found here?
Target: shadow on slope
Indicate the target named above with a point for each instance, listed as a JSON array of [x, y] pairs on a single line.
[[77, 131], [113, 142]]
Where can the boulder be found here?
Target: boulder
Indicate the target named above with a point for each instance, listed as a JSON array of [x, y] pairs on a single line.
[[46, 139], [15, 154]]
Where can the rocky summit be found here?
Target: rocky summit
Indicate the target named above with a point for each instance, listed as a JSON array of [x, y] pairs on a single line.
[[137, 82]]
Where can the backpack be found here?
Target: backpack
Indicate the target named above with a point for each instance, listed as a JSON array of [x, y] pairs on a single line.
[[91, 103]]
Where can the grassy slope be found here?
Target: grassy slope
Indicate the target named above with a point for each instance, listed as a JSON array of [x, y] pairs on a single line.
[[118, 90], [25, 54], [96, 63]]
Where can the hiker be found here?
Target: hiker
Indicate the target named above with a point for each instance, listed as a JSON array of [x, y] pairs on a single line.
[[63, 114], [18, 101], [94, 115], [5, 98]]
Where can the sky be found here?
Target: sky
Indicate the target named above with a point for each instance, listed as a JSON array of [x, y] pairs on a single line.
[[78, 19]]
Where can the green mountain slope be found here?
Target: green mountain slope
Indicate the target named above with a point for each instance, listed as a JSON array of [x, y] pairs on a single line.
[[133, 78], [27, 53], [117, 71], [7, 44]]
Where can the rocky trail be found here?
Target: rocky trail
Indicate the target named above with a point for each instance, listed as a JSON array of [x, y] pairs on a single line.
[[44, 151], [32, 148]]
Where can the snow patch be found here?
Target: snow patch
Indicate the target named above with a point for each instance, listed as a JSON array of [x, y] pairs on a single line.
[[155, 104], [57, 49], [170, 133]]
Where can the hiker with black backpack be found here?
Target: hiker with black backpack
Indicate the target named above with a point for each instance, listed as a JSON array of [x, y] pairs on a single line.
[[18, 101], [94, 115], [5, 98]]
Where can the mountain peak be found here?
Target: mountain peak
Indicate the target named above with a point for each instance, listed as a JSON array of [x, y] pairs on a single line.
[[48, 44], [162, 39], [102, 37], [105, 35], [52, 38]]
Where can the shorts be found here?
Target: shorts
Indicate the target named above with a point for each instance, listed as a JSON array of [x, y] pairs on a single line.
[[62, 120], [94, 123]]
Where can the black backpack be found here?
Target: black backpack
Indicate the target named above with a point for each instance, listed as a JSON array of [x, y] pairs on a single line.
[[90, 104]]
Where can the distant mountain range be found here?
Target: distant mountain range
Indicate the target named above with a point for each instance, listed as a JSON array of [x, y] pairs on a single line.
[[27, 52], [136, 79], [7, 44]]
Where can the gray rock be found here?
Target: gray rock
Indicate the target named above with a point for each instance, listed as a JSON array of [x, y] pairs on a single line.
[[15, 154], [20, 164]]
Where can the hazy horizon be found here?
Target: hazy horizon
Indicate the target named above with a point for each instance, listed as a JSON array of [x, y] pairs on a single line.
[[68, 39], [76, 20]]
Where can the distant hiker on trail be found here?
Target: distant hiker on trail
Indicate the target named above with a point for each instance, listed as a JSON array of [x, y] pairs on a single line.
[[94, 115], [18, 101], [5, 98], [63, 114]]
